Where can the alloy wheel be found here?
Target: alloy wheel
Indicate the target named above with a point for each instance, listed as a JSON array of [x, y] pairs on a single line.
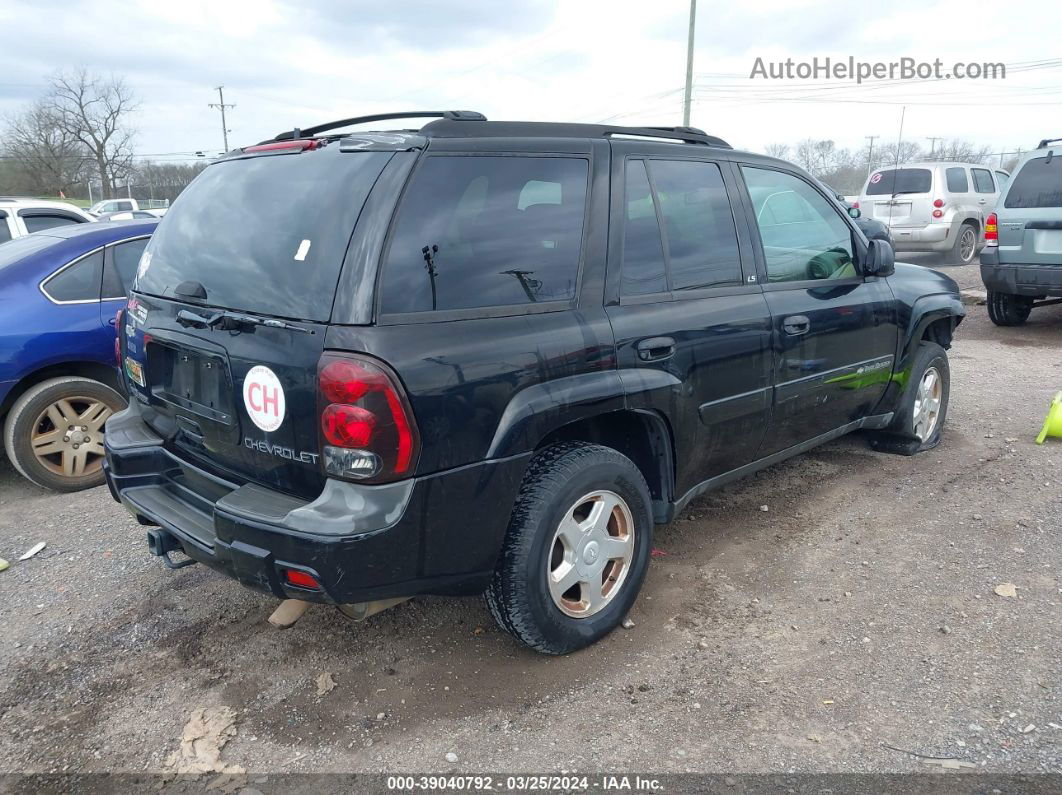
[[67, 436], [926, 412]]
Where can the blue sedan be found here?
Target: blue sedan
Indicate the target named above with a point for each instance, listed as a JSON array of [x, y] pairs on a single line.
[[60, 291]]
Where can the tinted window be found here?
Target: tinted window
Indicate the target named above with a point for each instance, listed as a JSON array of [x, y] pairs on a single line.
[[266, 233], [78, 282], [983, 180], [5, 231], [957, 181], [803, 235], [900, 180], [123, 205], [1038, 183], [38, 222], [643, 253], [1002, 178], [120, 270], [498, 231], [701, 239]]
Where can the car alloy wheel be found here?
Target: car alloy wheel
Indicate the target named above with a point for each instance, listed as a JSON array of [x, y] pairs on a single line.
[[927, 404], [67, 437], [591, 554], [967, 244]]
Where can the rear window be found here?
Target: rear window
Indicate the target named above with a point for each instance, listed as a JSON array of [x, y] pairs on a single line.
[[487, 231], [1037, 184], [265, 234], [900, 180]]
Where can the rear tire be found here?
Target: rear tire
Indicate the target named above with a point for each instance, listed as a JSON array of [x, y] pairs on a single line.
[[1005, 309], [582, 516], [964, 249], [39, 434]]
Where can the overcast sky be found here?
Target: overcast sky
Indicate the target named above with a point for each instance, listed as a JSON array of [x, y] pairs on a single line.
[[286, 63]]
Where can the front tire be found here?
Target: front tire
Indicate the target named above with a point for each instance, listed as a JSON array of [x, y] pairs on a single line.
[[54, 432], [576, 551], [1005, 309], [924, 405]]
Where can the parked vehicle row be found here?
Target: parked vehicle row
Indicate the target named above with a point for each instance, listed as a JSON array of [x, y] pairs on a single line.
[[490, 356], [20, 217]]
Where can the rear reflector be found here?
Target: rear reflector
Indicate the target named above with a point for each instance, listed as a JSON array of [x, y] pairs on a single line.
[[301, 579], [992, 230], [298, 145]]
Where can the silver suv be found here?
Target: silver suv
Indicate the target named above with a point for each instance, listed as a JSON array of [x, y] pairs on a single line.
[[1021, 264], [934, 206]]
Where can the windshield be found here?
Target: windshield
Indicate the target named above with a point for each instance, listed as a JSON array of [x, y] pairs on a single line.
[[1038, 184], [900, 180], [264, 234]]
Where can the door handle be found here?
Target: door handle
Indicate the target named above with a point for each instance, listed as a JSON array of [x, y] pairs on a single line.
[[982, 201], [655, 349], [796, 325]]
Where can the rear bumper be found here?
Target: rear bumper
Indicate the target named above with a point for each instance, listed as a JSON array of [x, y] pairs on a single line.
[[436, 534], [1019, 279], [931, 237]]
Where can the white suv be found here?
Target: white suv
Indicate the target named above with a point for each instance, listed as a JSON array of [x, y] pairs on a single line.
[[20, 217], [934, 206]]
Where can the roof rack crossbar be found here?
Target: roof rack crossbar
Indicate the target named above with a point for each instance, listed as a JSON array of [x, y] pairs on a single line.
[[451, 115], [1047, 141]]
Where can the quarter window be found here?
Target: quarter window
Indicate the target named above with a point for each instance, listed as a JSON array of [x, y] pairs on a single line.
[[77, 282], [699, 224], [120, 270], [957, 181], [803, 235], [983, 183], [487, 231]]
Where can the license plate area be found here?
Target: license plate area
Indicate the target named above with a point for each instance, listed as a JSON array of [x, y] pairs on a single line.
[[193, 380]]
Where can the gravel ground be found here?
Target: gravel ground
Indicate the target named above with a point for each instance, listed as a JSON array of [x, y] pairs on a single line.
[[857, 612]]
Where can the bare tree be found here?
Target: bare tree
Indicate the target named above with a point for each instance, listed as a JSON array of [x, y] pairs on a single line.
[[95, 111], [49, 157], [962, 151], [781, 151]]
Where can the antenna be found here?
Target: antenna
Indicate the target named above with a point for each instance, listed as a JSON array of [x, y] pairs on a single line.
[[896, 164]]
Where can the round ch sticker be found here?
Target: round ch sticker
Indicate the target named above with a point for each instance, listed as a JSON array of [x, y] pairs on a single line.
[[263, 396], [876, 178]]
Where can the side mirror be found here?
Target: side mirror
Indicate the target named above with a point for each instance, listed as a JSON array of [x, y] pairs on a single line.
[[881, 259], [854, 212]]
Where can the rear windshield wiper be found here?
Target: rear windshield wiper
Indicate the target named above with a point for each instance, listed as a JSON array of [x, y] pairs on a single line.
[[231, 321]]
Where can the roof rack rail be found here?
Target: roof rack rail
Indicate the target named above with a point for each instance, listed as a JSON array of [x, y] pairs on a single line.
[[1047, 141], [450, 115], [518, 129], [691, 135]]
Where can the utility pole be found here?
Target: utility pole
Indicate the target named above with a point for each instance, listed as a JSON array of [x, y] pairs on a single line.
[[870, 152], [933, 144], [220, 105], [689, 67]]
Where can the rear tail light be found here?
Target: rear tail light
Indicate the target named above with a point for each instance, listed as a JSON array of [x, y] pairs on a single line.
[[118, 337], [992, 230], [367, 428], [938, 202], [938, 213], [856, 205]]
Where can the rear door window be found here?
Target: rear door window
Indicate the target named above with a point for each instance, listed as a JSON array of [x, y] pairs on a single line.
[[1037, 184], [77, 282], [487, 231], [266, 233], [900, 180], [983, 183], [643, 250], [702, 241], [5, 230], [957, 180]]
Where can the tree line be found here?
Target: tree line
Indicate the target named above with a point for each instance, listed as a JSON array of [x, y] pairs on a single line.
[[77, 134], [845, 170]]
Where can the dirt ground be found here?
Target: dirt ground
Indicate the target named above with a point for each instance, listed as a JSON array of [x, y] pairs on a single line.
[[857, 612]]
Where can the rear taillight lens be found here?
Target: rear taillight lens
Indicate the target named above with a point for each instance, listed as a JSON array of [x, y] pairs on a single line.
[[992, 230], [938, 202], [118, 337], [367, 428], [856, 205], [938, 213]]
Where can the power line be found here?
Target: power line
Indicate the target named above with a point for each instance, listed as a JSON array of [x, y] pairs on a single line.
[[220, 105]]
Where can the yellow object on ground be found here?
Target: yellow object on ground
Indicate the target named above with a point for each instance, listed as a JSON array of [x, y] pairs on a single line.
[[3, 564], [1053, 423]]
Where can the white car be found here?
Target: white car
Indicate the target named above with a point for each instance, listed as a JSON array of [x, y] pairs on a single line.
[[939, 206], [20, 217]]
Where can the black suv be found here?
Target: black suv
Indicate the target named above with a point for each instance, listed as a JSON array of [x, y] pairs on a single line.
[[490, 356]]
